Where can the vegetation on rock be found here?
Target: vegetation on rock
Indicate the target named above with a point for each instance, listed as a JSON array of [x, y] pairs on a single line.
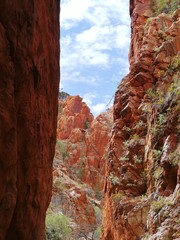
[[164, 6], [57, 227], [142, 191]]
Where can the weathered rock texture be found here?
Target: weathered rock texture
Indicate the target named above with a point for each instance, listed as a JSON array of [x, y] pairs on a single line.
[[142, 190], [75, 201], [82, 142], [29, 80], [79, 165], [73, 113]]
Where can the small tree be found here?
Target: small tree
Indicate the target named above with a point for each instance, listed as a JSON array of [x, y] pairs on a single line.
[[57, 227]]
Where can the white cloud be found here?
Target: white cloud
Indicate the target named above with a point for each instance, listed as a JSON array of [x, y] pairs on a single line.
[[106, 102], [73, 11], [73, 77], [88, 36], [122, 38], [88, 97], [99, 108], [108, 29], [96, 109], [93, 46], [90, 31], [97, 12]]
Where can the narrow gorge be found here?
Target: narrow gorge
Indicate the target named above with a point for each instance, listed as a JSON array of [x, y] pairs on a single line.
[[67, 175]]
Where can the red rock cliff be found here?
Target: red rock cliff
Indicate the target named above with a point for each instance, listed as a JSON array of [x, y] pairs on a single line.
[[29, 81], [142, 178], [83, 140], [73, 113], [79, 165]]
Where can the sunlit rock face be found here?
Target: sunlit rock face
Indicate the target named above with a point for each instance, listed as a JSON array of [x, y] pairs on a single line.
[[82, 141], [79, 165], [73, 113], [29, 81], [142, 179]]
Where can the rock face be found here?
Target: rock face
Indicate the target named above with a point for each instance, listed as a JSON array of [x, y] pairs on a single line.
[[73, 113], [75, 201], [79, 165], [83, 141], [29, 81], [142, 190]]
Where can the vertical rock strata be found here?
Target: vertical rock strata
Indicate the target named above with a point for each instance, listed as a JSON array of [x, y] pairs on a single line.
[[79, 165], [142, 192], [29, 79], [82, 141]]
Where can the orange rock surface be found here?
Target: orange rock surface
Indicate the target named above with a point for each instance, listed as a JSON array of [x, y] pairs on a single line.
[[79, 164], [73, 113], [142, 192], [85, 140], [72, 200]]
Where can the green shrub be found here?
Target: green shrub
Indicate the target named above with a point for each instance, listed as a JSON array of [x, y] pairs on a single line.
[[114, 179], [139, 125], [124, 158], [174, 5], [157, 205], [61, 147], [137, 159], [173, 158], [73, 146], [133, 140], [156, 154], [57, 227], [126, 129], [98, 214], [175, 63], [166, 6], [158, 172], [161, 119], [155, 96], [81, 167]]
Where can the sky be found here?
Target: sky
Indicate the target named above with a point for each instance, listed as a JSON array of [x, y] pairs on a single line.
[[95, 38]]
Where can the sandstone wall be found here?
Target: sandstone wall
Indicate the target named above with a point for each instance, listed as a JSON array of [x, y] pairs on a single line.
[[142, 177], [82, 141], [79, 165], [29, 81]]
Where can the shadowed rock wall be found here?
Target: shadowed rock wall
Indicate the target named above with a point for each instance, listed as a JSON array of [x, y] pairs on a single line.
[[29, 80]]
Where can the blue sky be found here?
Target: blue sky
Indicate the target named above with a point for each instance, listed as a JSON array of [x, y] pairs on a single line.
[[95, 37]]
